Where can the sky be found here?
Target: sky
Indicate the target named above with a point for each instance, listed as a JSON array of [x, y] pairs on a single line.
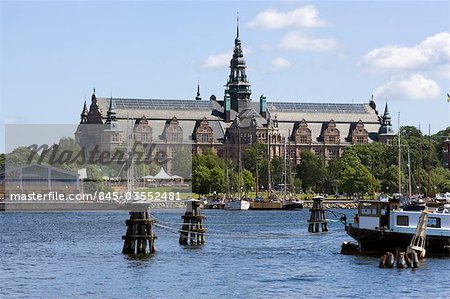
[[54, 53]]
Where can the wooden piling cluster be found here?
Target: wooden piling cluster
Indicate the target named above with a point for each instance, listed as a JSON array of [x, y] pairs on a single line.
[[317, 217], [139, 238], [192, 231], [404, 260]]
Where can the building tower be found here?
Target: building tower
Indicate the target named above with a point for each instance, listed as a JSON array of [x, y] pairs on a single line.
[[386, 132], [111, 114], [111, 135], [238, 87]]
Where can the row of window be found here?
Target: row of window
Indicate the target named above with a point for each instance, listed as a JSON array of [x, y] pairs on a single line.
[[403, 220]]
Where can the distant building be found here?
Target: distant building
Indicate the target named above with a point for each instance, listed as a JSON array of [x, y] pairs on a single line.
[[221, 125], [40, 178]]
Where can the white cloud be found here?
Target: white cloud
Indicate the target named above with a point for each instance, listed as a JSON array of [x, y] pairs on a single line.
[[221, 60], [217, 61], [303, 17], [433, 52], [296, 40], [281, 63], [415, 87]]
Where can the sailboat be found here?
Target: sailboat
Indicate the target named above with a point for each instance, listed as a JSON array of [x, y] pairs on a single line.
[[291, 203], [133, 201], [238, 204]]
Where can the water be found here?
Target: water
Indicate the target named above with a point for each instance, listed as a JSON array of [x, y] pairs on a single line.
[[249, 254]]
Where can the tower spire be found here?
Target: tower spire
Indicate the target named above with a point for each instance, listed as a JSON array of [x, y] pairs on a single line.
[[386, 112], [237, 26], [84, 114], [198, 97], [386, 132], [95, 114], [111, 114], [238, 85]]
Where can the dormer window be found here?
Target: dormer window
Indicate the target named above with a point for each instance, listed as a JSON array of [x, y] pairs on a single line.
[[332, 134], [360, 134], [303, 133], [204, 132]]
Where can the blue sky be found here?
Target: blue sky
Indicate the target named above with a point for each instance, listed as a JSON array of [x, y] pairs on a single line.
[[54, 53]]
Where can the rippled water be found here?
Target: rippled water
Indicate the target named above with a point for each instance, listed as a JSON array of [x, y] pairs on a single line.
[[248, 254]]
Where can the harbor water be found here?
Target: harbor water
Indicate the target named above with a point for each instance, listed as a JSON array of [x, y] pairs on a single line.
[[248, 254]]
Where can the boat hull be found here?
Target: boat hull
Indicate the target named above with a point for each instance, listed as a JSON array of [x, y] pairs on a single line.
[[379, 241], [237, 205], [264, 205], [214, 205], [292, 205]]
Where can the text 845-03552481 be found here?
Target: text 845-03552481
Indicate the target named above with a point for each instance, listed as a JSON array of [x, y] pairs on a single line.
[[132, 196]]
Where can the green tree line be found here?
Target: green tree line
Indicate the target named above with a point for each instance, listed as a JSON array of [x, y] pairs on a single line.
[[363, 169]]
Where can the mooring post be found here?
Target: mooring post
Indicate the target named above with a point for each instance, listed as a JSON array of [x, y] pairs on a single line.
[[317, 217], [192, 231], [139, 238]]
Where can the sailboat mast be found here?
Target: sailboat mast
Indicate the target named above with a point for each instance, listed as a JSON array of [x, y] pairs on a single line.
[[268, 158], [256, 166], [239, 162], [285, 172], [227, 187], [419, 164], [429, 162], [291, 183], [409, 174], [399, 159], [131, 157]]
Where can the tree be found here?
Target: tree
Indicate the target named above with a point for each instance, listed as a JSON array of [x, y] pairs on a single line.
[[68, 155], [440, 178], [94, 181], [217, 181], [20, 156], [248, 180], [208, 159], [2, 162], [182, 163], [373, 156], [311, 171], [354, 177], [276, 171], [389, 182], [332, 176], [255, 154], [201, 180]]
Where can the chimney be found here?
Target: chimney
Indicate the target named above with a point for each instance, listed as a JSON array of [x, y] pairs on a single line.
[[263, 106], [227, 105]]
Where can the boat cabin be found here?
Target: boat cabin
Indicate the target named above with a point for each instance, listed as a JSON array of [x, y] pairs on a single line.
[[382, 215], [373, 214]]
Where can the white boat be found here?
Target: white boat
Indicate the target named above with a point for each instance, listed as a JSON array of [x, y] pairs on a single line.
[[237, 205], [383, 226], [443, 197]]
